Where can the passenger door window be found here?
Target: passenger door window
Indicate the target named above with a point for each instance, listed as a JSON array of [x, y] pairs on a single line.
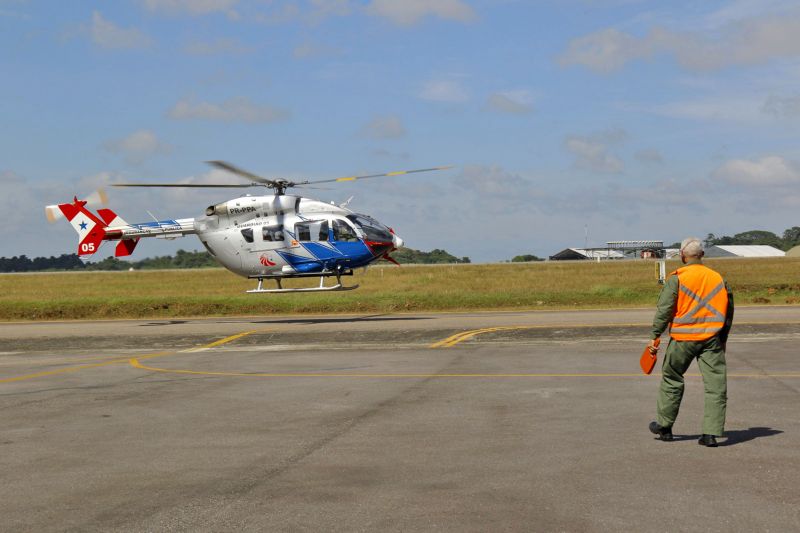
[[272, 234], [314, 231]]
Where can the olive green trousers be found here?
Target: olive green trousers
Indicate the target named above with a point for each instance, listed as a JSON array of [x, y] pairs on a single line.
[[710, 355]]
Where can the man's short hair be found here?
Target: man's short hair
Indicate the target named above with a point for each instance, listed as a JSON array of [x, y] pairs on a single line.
[[692, 247]]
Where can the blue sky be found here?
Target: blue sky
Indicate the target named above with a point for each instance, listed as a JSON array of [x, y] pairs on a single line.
[[634, 119]]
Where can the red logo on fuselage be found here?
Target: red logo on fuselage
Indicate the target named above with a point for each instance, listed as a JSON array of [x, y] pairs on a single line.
[[265, 261]]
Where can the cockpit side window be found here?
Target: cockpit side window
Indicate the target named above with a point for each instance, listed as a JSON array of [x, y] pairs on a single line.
[[247, 233], [374, 230], [313, 231], [342, 231]]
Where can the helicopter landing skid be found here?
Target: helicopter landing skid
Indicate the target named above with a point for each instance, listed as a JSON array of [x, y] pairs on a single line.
[[322, 288]]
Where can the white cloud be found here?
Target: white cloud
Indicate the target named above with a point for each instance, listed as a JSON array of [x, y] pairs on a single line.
[[769, 171], [738, 10], [511, 102], [490, 180], [591, 151], [604, 51], [752, 41], [322, 9], [278, 15], [410, 12], [443, 91], [384, 127], [138, 146], [492, 188], [106, 34], [218, 46], [649, 155], [714, 107], [192, 7], [239, 109], [309, 49], [764, 187], [311, 12], [14, 14], [782, 107]]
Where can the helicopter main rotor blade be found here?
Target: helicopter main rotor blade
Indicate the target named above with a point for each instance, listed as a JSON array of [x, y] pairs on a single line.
[[194, 185], [301, 186], [279, 186], [240, 172], [396, 173]]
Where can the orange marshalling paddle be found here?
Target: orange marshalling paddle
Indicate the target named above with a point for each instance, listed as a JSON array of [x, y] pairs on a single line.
[[648, 360]]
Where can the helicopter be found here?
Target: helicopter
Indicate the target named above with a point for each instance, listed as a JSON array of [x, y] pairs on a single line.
[[274, 237]]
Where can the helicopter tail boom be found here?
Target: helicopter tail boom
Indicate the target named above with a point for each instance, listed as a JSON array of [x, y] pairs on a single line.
[[106, 225]]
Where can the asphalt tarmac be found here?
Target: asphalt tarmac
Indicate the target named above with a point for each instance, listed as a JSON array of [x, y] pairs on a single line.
[[532, 421]]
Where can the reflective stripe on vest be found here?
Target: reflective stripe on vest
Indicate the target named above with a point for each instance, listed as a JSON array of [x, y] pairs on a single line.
[[702, 304]]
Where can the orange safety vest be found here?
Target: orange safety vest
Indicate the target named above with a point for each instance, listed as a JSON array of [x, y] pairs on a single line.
[[702, 304]]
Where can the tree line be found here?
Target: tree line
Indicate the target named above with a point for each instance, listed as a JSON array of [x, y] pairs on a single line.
[[789, 239], [181, 259]]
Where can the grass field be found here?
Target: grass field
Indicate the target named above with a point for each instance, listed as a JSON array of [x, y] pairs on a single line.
[[217, 292]]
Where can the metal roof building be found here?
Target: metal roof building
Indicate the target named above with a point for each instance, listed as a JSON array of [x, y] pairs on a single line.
[[584, 253], [613, 250], [760, 250]]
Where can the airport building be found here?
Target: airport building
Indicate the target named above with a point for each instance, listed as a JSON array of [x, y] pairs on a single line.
[[614, 250], [656, 250], [761, 250]]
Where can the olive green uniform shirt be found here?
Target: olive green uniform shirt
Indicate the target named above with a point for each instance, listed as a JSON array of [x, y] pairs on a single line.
[[668, 303]]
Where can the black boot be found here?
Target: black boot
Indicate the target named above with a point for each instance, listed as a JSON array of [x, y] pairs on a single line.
[[664, 433], [708, 440]]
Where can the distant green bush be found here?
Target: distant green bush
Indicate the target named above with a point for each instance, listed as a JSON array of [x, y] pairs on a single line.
[[435, 256], [525, 258]]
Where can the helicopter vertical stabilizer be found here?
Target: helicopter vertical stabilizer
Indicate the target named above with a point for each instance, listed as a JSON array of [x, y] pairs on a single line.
[[90, 229]]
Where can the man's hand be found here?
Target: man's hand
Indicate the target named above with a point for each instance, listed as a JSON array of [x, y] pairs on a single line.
[[653, 346]]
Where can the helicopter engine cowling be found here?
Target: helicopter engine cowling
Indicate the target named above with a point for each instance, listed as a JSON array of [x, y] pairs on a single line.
[[219, 209]]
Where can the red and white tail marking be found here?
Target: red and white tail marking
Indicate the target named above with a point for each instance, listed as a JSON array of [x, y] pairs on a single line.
[[124, 247], [91, 230]]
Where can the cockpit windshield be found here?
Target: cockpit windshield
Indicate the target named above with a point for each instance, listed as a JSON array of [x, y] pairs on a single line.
[[374, 230]]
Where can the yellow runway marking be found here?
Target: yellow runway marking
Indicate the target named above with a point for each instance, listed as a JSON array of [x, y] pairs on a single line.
[[118, 360], [466, 335], [445, 343], [221, 341], [69, 369], [134, 362]]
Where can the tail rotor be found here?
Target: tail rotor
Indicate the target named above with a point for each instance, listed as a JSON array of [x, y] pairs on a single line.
[[98, 198]]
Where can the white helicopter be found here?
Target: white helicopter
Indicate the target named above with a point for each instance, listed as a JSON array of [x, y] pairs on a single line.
[[275, 237]]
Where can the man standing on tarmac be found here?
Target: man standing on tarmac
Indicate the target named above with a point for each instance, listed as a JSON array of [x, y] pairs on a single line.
[[696, 302]]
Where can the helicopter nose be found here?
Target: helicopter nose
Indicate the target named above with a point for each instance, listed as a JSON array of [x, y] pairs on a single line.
[[397, 241]]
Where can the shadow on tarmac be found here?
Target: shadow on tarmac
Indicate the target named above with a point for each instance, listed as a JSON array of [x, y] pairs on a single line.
[[738, 436], [376, 318], [311, 320]]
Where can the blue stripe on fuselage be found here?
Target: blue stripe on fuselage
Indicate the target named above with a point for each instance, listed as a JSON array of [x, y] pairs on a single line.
[[347, 254], [155, 224]]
